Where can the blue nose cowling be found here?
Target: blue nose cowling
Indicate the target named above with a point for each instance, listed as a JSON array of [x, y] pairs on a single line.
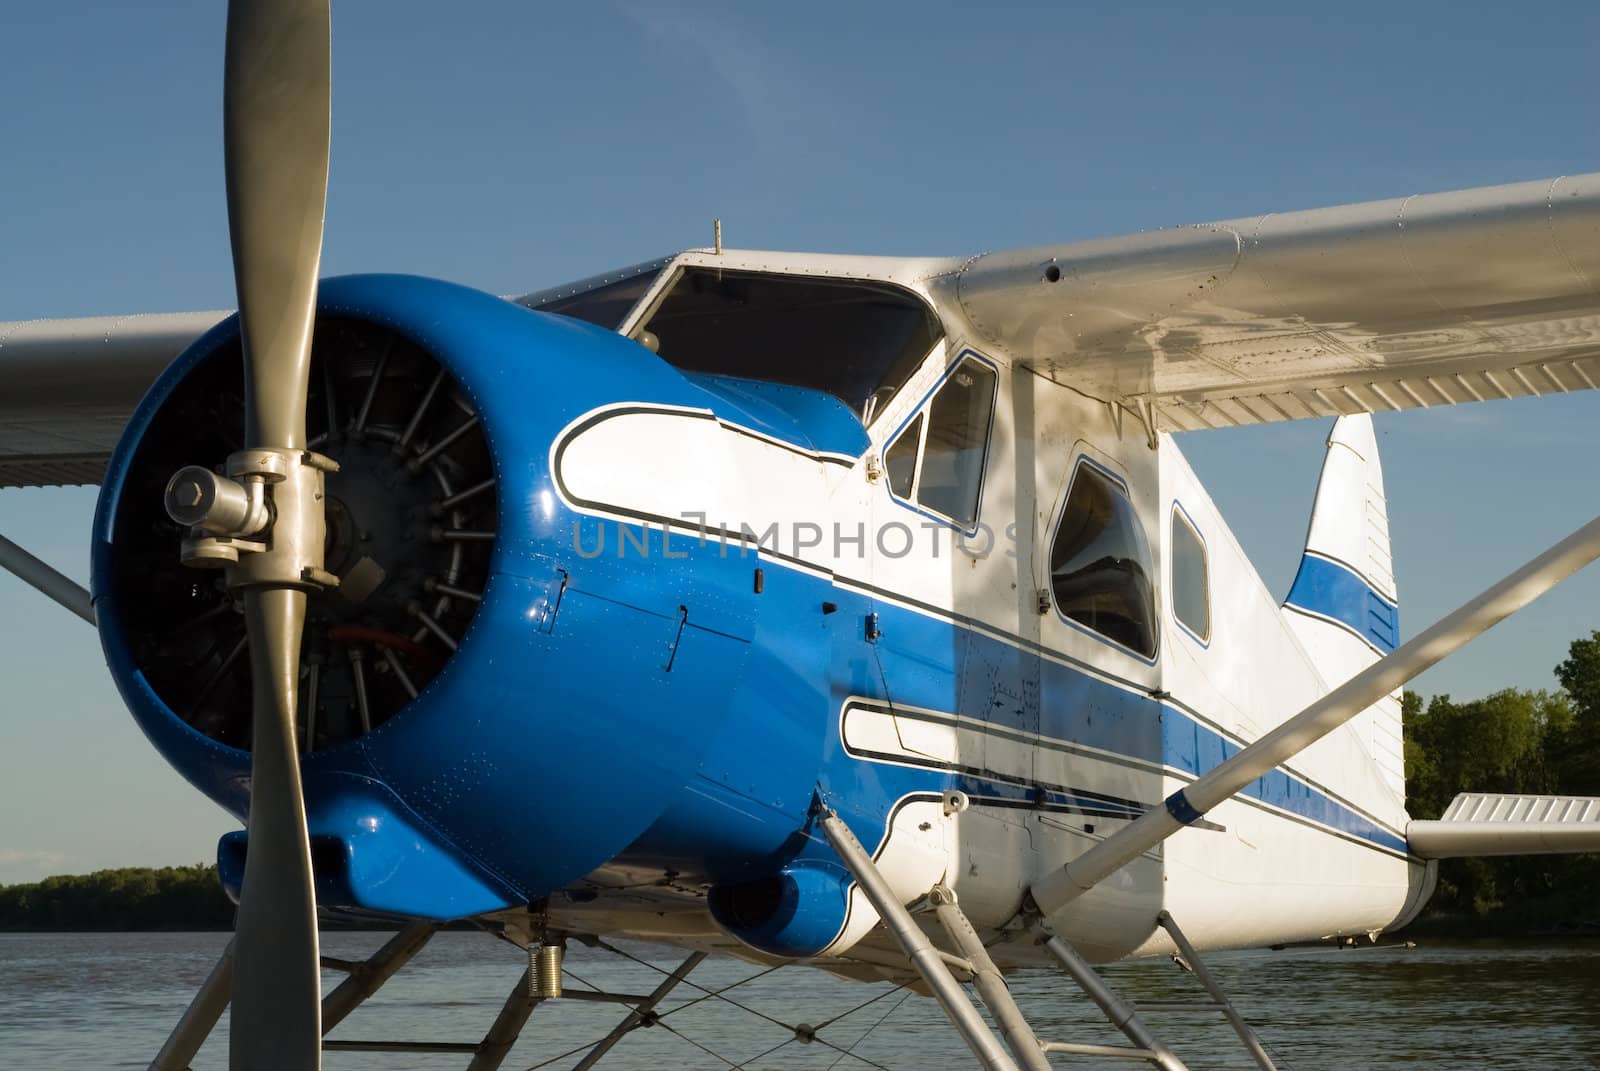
[[583, 695]]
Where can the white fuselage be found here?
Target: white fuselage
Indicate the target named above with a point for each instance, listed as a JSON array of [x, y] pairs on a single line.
[[1317, 852]]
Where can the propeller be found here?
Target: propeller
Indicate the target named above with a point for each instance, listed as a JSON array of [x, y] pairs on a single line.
[[276, 123]]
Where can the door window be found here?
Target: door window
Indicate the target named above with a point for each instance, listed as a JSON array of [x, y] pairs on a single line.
[[1100, 562]]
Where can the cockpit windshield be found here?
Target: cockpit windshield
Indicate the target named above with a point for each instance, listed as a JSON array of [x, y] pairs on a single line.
[[604, 300], [858, 341]]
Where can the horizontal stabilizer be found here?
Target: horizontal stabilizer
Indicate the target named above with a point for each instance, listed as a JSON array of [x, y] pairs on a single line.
[[1487, 824]]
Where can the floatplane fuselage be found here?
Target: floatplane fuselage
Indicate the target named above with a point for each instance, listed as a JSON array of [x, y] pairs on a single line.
[[743, 600], [986, 617]]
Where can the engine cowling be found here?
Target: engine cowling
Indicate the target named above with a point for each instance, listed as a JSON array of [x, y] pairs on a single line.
[[486, 715], [798, 911]]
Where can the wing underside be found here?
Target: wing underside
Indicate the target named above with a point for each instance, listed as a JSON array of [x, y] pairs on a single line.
[[67, 387], [1400, 304]]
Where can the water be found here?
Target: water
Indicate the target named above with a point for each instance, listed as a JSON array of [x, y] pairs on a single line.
[[109, 1000]]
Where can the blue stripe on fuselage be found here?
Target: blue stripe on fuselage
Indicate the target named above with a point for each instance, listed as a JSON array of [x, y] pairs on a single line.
[[935, 663], [1332, 590], [931, 658]]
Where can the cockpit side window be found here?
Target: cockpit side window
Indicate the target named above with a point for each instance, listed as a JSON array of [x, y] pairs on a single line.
[[1100, 562], [858, 341], [958, 435], [901, 458], [949, 479]]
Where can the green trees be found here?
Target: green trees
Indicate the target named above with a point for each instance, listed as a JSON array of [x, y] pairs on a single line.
[[138, 898], [1511, 741], [1576, 759]]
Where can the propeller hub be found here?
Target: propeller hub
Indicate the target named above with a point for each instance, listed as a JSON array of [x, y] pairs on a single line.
[[275, 495], [199, 498]]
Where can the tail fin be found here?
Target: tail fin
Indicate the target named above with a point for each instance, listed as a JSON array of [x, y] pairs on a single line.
[[1343, 606]]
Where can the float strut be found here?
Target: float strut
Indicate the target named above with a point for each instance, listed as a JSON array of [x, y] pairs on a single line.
[[506, 1028], [367, 978], [640, 1015], [990, 983], [927, 959], [200, 1018], [1252, 1044]]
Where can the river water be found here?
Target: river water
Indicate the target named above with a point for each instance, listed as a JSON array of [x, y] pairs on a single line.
[[109, 1000]]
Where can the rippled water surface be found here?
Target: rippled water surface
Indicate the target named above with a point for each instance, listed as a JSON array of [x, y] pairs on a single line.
[[109, 1000]]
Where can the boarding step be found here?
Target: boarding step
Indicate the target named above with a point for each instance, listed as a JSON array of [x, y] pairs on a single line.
[[1026, 1050], [1125, 1014], [1189, 959]]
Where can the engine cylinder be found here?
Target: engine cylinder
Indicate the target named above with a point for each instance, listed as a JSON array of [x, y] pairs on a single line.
[[411, 521]]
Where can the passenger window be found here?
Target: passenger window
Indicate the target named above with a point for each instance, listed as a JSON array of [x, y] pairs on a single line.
[[958, 435], [1100, 563], [1191, 591], [901, 458]]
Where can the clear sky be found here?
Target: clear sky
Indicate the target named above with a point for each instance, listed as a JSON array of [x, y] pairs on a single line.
[[512, 146]]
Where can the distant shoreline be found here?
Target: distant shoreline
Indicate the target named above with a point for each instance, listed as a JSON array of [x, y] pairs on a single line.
[[125, 899], [190, 900], [1500, 926]]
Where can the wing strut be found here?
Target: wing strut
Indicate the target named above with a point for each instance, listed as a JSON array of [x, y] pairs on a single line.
[[31, 570], [1186, 806]]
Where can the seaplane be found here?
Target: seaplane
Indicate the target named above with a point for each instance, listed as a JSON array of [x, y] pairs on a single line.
[[852, 612]]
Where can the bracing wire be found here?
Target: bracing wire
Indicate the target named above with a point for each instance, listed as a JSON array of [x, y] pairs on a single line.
[[721, 994], [864, 1034]]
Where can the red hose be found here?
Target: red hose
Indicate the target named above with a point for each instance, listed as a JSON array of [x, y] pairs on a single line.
[[384, 638]]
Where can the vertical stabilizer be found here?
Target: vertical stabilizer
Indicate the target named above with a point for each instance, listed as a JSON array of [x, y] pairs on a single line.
[[1343, 606]]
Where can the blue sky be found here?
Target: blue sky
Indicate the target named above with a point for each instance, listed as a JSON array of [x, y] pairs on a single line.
[[512, 146]]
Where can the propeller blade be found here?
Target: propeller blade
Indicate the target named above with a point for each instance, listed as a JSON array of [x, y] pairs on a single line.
[[277, 981], [276, 117], [276, 126]]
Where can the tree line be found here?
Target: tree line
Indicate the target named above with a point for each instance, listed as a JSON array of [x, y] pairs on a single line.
[[132, 898], [1515, 740]]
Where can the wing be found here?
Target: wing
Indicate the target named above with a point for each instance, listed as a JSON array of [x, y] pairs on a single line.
[[68, 386], [1419, 301], [1427, 300]]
